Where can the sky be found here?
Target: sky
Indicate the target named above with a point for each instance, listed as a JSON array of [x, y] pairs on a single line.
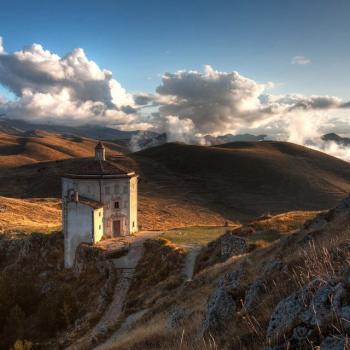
[[275, 66]]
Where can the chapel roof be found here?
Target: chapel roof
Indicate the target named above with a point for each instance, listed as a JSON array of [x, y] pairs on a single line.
[[96, 168]]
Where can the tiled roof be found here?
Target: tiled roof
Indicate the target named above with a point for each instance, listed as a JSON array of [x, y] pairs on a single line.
[[91, 167]]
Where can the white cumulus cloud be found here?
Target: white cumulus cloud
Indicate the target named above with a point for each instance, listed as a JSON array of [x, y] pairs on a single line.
[[67, 89]]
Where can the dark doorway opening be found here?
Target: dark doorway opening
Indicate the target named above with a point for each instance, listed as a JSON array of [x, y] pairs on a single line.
[[116, 228]]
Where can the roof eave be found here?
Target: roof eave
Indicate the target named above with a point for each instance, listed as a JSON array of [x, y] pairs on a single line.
[[98, 176]]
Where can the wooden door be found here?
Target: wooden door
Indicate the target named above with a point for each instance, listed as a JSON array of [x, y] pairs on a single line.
[[116, 228]]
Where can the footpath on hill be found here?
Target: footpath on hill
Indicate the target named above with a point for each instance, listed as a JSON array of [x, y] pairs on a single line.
[[126, 264]]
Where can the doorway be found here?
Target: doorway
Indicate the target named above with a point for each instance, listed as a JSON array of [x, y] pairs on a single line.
[[116, 228]]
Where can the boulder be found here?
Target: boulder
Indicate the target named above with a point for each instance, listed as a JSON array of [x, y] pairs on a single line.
[[220, 309], [177, 317], [253, 294], [231, 280], [222, 304], [334, 343], [310, 310], [232, 245]]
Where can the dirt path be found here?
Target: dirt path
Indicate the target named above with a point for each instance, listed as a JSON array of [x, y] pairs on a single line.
[[130, 321], [126, 264], [126, 326], [190, 262]]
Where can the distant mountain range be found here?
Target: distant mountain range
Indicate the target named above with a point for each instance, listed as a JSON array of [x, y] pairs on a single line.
[[233, 138], [136, 139], [88, 130]]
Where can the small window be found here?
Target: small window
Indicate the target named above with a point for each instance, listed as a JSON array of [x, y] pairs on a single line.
[[99, 213], [107, 189], [88, 188], [133, 224], [99, 227], [125, 189], [116, 205], [116, 189]]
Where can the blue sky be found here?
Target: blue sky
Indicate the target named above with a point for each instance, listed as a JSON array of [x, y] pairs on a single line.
[[140, 40]]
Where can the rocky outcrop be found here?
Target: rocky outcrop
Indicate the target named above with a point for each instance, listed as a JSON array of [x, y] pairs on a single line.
[[273, 266], [335, 343], [177, 317], [232, 245], [322, 219], [223, 303], [310, 313], [253, 294]]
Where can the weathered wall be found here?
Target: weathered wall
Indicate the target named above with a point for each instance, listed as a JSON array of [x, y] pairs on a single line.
[[116, 190], [78, 229], [98, 224], [110, 191]]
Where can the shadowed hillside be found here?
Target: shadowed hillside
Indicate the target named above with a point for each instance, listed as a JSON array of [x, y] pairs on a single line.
[[245, 179], [184, 185]]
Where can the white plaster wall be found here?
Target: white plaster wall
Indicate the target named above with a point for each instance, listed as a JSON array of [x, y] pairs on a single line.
[[133, 224], [79, 229], [98, 224]]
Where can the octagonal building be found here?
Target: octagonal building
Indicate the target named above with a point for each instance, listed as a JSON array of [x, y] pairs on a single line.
[[99, 199]]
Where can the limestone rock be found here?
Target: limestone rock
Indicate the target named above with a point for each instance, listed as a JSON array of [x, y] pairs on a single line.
[[232, 279], [310, 309], [177, 317], [333, 343], [253, 294], [274, 266], [222, 304], [232, 245], [220, 309]]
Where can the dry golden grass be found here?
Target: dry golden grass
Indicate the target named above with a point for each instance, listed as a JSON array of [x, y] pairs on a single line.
[[43, 146], [324, 258], [29, 215], [284, 222], [158, 212]]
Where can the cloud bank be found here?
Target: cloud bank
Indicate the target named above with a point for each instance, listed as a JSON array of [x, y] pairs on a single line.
[[186, 105]]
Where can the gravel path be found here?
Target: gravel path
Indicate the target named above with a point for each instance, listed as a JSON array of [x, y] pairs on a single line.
[[190, 262]]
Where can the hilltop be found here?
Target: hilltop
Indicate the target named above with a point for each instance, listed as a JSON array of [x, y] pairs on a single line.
[[245, 179]]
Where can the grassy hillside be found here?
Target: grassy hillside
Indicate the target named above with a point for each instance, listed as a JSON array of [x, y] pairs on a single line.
[[242, 180], [36, 146], [183, 185], [29, 215], [289, 294]]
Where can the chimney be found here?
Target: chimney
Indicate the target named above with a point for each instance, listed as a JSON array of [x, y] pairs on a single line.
[[100, 152]]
